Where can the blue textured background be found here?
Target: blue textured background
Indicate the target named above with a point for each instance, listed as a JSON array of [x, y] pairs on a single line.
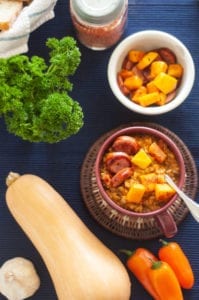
[[60, 163]]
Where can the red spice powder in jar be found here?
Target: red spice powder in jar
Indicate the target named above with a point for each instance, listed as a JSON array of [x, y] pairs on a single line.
[[99, 24]]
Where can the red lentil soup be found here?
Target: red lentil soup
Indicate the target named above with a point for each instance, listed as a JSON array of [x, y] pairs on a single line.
[[132, 172]]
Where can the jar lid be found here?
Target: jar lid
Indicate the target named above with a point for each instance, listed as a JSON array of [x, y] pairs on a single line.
[[97, 11]]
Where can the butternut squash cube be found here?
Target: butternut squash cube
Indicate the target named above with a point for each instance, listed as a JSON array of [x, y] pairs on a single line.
[[141, 159], [165, 83], [175, 70], [133, 82], [135, 193], [157, 67], [151, 87], [135, 55], [139, 92], [147, 60], [149, 99], [163, 99], [163, 192], [157, 152]]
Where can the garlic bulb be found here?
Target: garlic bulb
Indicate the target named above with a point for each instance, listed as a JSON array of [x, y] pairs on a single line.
[[18, 279]]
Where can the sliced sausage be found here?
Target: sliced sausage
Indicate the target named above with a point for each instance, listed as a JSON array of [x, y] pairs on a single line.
[[115, 161], [125, 143], [127, 64], [170, 96], [121, 176], [120, 80], [167, 55], [143, 74], [123, 89]]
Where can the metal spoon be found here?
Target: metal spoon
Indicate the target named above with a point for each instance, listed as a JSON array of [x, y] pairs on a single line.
[[192, 206]]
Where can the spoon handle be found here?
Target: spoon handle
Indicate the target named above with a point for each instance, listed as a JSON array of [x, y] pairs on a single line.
[[193, 206]]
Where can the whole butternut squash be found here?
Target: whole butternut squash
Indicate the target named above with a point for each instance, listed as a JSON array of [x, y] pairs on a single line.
[[80, 265]]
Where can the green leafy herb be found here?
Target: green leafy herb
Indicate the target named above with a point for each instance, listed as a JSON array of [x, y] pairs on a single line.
[[34, 98]]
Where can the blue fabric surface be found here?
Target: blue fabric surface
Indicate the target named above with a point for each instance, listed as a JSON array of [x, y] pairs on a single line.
[[60, 164]]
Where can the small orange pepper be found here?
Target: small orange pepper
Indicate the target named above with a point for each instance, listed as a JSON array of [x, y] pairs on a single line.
[[139, 263], [172, 253], [164, 281]]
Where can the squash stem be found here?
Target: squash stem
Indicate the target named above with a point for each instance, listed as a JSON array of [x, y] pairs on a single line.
[[12, 176]]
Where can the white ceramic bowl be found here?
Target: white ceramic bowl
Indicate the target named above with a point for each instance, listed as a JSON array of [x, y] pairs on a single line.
[[148, 40]]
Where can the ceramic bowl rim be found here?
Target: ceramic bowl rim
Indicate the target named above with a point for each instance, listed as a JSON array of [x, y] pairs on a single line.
[[122, 49], [144, 130]]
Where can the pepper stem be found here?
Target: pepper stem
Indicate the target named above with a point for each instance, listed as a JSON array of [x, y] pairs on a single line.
[[156, 264], [164, 243], [129, 253]]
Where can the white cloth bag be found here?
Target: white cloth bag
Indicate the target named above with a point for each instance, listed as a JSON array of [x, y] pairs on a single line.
[[15, 40]]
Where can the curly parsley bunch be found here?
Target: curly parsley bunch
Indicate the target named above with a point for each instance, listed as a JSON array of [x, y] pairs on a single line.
[[34, 96]]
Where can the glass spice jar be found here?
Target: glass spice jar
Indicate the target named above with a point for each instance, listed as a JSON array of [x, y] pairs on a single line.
[[99, 24]]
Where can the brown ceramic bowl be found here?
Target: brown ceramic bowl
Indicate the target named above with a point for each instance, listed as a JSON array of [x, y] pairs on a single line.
[[162, 215]]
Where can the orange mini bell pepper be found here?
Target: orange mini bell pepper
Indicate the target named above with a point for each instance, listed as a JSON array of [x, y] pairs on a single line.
[[172, 253], [139, 263], [164, 281]]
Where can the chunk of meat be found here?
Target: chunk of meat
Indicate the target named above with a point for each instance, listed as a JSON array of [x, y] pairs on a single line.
[[115, 161], [167, 55], [125, 143], [121, 176]]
